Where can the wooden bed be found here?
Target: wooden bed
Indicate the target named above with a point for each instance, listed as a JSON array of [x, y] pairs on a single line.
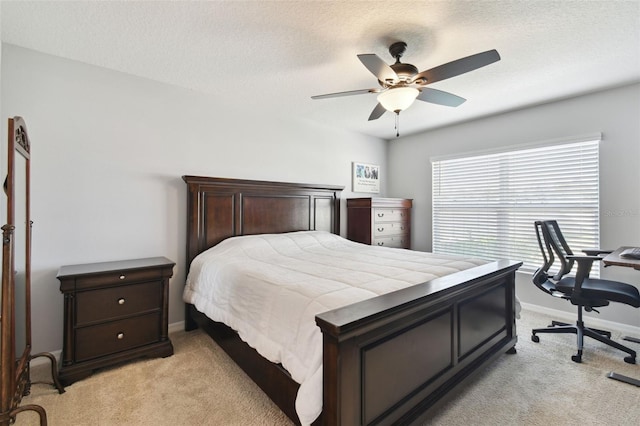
[[386, 360]]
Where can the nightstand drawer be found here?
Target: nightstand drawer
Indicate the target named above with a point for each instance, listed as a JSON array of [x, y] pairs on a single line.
[[397, 241], [116, 336], [117, 302], [393, 228], [389, 215], [117, 277]]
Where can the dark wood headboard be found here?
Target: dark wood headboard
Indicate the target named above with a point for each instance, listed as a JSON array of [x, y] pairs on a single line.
[[219, 208]]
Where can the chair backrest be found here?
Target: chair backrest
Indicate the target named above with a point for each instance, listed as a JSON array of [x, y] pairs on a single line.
[[555, 239], [552, 245]]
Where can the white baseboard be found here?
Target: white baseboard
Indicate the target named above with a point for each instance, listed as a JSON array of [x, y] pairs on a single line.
[[568, 317], [176, 326]]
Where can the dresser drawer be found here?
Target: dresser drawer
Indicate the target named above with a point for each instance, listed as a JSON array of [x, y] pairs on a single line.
[[392, 228], [389, 215], [116, 302], [116, 336], [397, 241]]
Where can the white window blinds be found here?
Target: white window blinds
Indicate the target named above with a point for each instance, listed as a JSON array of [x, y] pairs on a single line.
[[485, 205]]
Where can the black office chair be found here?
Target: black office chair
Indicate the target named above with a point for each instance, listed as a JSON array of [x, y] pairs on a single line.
[[582, 291]]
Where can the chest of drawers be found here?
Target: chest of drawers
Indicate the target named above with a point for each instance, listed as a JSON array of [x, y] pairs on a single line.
[[380, 221], [113, 312]]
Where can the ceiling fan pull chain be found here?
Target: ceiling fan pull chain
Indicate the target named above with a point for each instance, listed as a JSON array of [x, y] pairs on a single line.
[[397, 123]]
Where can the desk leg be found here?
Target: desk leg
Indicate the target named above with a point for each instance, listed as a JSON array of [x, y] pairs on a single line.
[[626, 379]]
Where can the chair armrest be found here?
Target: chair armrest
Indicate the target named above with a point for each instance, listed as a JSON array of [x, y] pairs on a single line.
[[596, 251], [584, 269]]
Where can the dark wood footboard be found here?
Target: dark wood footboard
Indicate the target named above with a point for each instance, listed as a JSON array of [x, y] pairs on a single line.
[[389, 359]]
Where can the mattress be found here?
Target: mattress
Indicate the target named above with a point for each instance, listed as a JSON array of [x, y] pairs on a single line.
[[270, 287]]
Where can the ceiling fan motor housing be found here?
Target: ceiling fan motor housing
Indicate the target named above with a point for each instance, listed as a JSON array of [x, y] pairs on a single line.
[[405, 72]]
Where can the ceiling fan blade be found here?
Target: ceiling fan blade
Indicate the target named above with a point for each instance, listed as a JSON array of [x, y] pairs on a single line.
[[439, 97], [378, 67], [377, 112], [349, 93], [460, 66]]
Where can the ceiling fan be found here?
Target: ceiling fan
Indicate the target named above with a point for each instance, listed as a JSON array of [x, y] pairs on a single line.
[[402, 83]]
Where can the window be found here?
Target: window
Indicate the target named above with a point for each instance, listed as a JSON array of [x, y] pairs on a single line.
[[485, 205]]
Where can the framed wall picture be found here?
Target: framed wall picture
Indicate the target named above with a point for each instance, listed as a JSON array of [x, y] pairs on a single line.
[[366, 178]]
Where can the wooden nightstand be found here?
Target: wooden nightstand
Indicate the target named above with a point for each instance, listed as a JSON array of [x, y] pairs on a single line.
[[114, 312], [380, 221]]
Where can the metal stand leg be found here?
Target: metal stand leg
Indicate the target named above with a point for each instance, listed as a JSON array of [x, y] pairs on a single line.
[[54, 371], [9, 418], [626, 379]]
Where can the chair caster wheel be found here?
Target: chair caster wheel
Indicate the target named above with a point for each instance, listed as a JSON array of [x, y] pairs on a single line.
[[512, 351], [630, 359], [576, 358], [535, 338]]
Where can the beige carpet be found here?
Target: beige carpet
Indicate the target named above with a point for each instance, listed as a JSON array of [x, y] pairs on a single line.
[[199, 385]]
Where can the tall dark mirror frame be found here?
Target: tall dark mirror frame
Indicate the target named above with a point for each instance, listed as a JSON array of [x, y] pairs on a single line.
[[15, 342]]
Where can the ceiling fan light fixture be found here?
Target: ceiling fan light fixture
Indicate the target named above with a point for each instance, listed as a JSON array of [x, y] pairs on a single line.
[[398, 98]]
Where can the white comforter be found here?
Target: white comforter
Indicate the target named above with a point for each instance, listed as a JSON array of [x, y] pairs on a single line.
[[270, 287]]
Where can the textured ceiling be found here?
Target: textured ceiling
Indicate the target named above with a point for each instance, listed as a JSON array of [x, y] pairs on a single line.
[[270, 57]]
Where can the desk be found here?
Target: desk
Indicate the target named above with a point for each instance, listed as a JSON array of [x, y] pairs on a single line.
[[614, 259]]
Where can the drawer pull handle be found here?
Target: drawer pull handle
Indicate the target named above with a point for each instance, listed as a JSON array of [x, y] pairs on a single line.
[[380, 229], [122, 277], [120, 336], [380, 214], [121, 301], [381, 243]]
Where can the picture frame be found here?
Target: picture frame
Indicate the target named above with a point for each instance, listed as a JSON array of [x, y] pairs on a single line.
[[365, 177]]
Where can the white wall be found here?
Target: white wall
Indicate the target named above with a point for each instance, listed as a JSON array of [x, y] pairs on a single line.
[[615, 113], [108, 153]]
